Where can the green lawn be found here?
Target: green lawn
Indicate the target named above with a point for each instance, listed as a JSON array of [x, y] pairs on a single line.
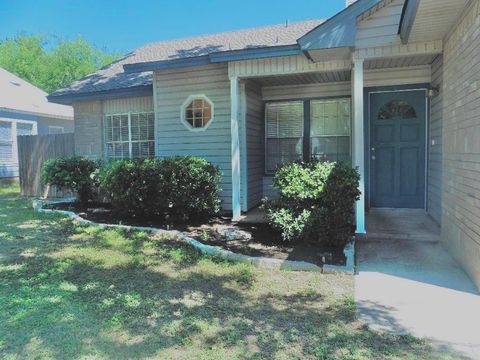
[[69, 291]]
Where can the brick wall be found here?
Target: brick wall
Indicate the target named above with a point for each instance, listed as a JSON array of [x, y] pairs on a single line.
[[461, 142]]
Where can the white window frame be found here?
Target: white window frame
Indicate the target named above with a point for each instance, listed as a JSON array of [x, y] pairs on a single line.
[[270, 172], [56, 127], [350, 135], [14, 142], [130, 141], [183, 109]]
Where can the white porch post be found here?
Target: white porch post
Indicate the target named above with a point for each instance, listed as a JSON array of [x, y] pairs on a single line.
[[358, 140], [243, 147], [234, 111]]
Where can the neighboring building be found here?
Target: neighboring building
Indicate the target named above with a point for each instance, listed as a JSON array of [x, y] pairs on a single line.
[[392, 85], [25, 110]]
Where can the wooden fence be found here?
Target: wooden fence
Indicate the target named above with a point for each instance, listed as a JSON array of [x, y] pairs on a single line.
[[33, 151]]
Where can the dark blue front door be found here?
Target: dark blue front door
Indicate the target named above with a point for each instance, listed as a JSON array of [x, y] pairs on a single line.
[[397, 149]]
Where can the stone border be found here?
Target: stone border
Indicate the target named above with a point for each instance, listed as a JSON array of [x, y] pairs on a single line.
[[260, 262]]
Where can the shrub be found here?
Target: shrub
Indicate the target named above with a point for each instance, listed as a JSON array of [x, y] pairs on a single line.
[[191, 186], [75, 173], [181, 186], [315, 203], [134, 187]]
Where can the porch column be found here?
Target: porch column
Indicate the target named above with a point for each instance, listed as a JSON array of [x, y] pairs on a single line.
[[358, 140], [234, 111]]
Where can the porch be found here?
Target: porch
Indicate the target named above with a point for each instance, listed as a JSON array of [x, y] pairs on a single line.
[[282, 111]]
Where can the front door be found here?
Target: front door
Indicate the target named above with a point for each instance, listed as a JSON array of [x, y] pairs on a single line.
[[397, 149]]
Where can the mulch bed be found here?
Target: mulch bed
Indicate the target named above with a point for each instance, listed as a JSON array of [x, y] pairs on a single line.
[[263, 240]]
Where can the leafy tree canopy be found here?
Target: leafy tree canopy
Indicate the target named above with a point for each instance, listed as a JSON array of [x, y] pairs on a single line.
[[50, 62]]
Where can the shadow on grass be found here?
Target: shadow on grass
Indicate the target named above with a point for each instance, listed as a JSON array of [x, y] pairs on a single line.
[[113, 294]]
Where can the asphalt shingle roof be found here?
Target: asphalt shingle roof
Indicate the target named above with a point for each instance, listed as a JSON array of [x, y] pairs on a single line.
[[113, 76]]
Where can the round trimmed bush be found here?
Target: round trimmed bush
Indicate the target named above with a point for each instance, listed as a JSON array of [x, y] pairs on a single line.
[[74, 173], [316, 202]]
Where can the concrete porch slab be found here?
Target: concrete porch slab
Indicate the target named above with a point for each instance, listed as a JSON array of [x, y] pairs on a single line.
[[401, 224], [409, 287]]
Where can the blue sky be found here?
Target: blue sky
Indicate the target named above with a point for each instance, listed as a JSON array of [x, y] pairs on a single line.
[[122, 25]]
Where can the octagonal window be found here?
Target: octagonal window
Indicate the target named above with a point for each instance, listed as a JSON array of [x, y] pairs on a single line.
[[197, 112]]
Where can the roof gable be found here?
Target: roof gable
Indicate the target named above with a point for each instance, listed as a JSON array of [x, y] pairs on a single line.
[[338, 31]]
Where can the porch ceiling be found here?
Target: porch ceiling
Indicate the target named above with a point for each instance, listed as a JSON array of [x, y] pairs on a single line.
[[403, 61], [305, 78], [435, 18]]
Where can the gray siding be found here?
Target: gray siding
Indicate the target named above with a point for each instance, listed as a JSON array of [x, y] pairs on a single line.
[[171, 89], [381, 28], [379, 77], [88, 119], [255, 144], [125, 105], [434, 198], [287, 92], [461, 145]]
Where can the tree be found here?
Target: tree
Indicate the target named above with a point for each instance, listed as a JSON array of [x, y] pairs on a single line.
[[51, 62]]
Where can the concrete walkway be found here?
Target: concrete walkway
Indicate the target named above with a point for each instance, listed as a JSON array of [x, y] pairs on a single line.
[[411, 287]]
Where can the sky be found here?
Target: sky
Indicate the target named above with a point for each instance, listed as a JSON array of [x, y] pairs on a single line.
[[121, 25]]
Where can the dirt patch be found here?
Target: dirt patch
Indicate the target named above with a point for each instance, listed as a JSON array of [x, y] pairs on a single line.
[[242, 238]]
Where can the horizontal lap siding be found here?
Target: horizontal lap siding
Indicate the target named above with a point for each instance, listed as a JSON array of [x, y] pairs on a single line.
[[381, 28], [172, 88], [88, 119], [461, 145], [255, 144], [287, 92], [435, 145], [379, 77], [130, 104]]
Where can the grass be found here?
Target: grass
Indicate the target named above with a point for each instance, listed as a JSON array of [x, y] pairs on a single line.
[[77, 292]]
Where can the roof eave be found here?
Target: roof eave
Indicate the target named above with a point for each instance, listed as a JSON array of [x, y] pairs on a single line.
[[409, 13], [68, 99], [354, 10], [218, 57]]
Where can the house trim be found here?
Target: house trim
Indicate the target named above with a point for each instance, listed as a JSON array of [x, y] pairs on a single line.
[[134, 91], [408, 18], [184, 106], [235, 154], [222, 56]]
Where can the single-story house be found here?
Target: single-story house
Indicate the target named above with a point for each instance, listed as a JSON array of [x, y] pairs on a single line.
[[25, 110], [391, 85]]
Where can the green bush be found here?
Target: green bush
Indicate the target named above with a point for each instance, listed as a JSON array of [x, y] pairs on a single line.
[[315, 203], [134, 187], [184, 187], [191, 186], [75, 173]]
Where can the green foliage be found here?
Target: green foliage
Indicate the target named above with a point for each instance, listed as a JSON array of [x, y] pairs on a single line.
[[180, 186], [315, 202], [50, 62], [74, 173]]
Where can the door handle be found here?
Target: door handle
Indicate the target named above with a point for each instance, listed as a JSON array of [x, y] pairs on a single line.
[[373, 153]]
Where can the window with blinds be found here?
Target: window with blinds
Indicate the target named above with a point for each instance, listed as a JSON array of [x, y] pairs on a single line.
[[284, 133], [6, 142], [130, 135], [330, 129]]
